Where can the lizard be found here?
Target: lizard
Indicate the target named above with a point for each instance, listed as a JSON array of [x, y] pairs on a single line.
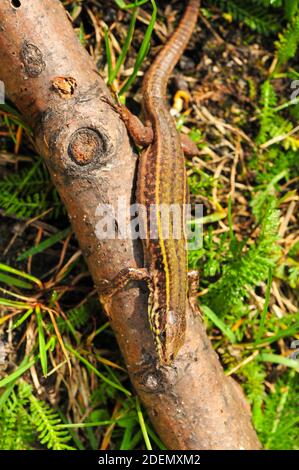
[[161, 179]]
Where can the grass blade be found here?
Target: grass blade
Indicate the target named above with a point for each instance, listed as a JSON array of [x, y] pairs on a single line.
[[277, 359], [22, 319], [12, 303], [60, 340], [143, 426], [41, 342], [127, 6], [13, 281], [93, 369], [219, 323], [45, 244], [125, 48], [142, 51], [24, 366], [108, 53], [9, 269]]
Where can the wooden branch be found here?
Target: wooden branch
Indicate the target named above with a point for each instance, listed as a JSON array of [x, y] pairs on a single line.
[[55, 85]]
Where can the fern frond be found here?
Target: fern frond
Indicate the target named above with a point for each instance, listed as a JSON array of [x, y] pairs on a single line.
[[288, 42], [75, 318], [23, 416], [255, 389], [46, 422], [268, 101], [253, 14], [245, 269], [29, 193], [16, 431], [279, 427], [290, 8]]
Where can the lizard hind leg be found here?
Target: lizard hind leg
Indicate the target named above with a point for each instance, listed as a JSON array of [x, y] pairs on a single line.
[[193, 280], [189, 147]]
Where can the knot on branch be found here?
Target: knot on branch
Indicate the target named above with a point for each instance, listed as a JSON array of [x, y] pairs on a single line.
[[85, 146], [75, 151], [32, 59], [155, 381]]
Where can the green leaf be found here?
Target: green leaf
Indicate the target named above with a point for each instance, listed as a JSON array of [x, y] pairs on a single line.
[[143, 426], [45, 244], [13, 281], [218, 322], [41, 341], [113, 74], [93, 369], [4, 267], [22, 319], [23, 367], [15, 116], [127, 6], [46, 421], [143, 49], [277, 359], [12, 303]]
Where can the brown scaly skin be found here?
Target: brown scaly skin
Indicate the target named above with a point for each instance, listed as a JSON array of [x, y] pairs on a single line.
[[162, 180]]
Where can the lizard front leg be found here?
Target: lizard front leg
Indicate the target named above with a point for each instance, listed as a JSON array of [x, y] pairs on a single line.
[[110, 288], [142, 134]]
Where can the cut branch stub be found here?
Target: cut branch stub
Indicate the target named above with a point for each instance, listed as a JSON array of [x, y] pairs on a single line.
[[86, 146]]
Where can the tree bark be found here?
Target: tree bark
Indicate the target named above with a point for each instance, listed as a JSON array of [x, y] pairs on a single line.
[[54, 83]]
